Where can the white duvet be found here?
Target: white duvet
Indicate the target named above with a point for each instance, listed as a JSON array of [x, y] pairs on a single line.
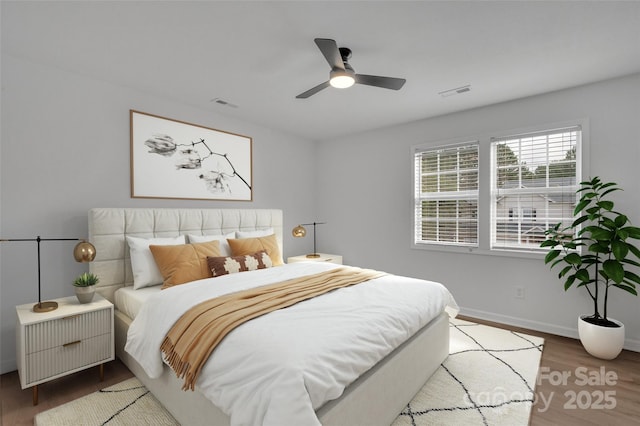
[[279, 368]]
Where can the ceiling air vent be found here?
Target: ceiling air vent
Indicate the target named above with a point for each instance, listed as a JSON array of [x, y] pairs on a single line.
[[223, 102], [456, 91]]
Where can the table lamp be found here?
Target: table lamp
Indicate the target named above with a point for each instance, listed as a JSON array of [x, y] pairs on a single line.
[[84, 251], [300, 231]]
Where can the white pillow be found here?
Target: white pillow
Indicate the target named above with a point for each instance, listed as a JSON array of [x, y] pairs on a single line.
[[143, 265], [225, 250], [255, 234]]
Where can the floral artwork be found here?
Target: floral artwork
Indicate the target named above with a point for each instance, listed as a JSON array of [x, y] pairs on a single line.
[[174, 159]]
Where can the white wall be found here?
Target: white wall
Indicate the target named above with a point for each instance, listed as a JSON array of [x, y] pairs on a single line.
[[65, 149], [365, 194]]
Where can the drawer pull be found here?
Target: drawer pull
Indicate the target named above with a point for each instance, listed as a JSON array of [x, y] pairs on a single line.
[[71, 317], [71, 343]]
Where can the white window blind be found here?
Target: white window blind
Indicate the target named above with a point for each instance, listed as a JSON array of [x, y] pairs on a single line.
[[446, 195], [534, 181]]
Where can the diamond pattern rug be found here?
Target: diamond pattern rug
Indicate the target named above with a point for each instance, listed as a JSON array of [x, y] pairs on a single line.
[[127, 403], [488, 379]]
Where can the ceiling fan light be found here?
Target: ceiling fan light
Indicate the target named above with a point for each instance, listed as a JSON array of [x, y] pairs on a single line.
[[341, 79]]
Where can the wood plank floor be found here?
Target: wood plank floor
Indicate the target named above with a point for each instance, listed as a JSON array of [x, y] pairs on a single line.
[[17, 407], [574, 389]]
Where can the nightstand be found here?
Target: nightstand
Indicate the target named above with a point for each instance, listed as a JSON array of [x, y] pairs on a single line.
[[324, 257], [72, 338]]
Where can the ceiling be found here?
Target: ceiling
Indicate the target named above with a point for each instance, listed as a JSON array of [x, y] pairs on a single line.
[[258, 56]]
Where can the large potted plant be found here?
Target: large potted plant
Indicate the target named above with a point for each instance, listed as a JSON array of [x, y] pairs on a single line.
[[84, 287], [595, 253]]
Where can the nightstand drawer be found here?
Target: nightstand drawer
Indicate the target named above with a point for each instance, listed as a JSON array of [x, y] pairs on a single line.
[[50, 334], [65, 358]]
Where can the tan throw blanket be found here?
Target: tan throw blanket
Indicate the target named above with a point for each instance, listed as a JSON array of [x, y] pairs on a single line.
[[196, 334]]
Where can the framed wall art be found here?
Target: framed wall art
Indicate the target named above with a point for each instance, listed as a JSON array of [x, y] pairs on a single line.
[[175, 159]]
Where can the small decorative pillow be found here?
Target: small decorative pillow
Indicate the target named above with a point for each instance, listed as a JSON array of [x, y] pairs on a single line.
[[225, 250], [184, 263], [145, 271], [243, 246], [232, 264]]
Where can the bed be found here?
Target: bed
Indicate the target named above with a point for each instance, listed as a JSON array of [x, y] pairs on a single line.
[[375, 397]]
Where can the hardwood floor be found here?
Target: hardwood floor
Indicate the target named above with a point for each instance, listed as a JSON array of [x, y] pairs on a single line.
[[17, 407], [573, 387]]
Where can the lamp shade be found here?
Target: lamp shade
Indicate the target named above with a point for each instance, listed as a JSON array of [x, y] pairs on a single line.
[[299, 231], [84, 252]]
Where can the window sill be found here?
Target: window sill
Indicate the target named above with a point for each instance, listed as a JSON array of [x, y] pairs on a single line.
[[538, 255]]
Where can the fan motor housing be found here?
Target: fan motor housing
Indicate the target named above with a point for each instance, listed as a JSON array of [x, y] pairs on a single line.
[[345, 52]]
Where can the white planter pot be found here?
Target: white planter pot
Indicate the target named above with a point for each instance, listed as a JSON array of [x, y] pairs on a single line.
[[85, 294], [601, 342]]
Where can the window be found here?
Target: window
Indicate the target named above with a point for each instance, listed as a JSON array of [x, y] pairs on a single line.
[[529, 213], [500, 193], [446, 198], [535, 176]]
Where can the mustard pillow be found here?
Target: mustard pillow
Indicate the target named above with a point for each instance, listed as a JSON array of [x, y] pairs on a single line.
[[185, 262], [244, 246]]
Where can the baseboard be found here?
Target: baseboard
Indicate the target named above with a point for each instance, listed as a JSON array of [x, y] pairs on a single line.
[[629, 344]]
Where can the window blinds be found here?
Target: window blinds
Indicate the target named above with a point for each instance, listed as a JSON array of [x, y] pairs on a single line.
[[446, 197], [534, 182]]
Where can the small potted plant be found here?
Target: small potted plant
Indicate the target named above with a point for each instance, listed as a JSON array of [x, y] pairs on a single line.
[[84, 287], [597, 254]]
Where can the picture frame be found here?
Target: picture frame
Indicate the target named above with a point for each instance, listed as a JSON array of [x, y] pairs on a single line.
[[175, 159]]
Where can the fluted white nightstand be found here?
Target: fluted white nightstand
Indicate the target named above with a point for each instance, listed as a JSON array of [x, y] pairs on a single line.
[[324, 257], [72, 338]]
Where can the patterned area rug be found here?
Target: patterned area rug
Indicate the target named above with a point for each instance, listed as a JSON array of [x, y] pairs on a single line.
[[127, 403], [488, 379]]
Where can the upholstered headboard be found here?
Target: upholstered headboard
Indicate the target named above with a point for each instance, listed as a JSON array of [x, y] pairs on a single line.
[[108, 228]]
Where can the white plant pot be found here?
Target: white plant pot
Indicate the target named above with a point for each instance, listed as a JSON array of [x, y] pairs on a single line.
[[601, 342], [85, 294]]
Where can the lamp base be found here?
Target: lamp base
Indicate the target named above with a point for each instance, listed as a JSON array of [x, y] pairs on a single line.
[[313, 256], [45, 307]]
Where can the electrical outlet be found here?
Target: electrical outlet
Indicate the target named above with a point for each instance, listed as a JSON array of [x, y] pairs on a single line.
[[518, 292]]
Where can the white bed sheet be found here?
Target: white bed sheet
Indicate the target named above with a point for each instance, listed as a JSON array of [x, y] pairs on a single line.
[[279, 368], [130, 301]]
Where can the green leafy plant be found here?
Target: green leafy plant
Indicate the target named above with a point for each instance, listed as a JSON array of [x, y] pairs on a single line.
[[595, 250], [86, 280]]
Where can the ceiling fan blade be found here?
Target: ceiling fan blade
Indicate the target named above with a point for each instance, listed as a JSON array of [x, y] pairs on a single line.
[[378, 81], [313, 91], [330, 50]]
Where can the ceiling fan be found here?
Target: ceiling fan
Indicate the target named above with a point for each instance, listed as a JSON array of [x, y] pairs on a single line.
[[342, 75]]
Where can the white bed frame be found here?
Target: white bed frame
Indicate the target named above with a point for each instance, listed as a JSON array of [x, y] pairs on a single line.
[[376, 398]]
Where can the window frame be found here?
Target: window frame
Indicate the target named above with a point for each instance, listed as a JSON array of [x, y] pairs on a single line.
[[460, 195], [524, 188], [484, 186]]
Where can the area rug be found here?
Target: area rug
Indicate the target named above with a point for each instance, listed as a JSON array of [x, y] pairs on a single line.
[[127, 403], [488, 379]]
